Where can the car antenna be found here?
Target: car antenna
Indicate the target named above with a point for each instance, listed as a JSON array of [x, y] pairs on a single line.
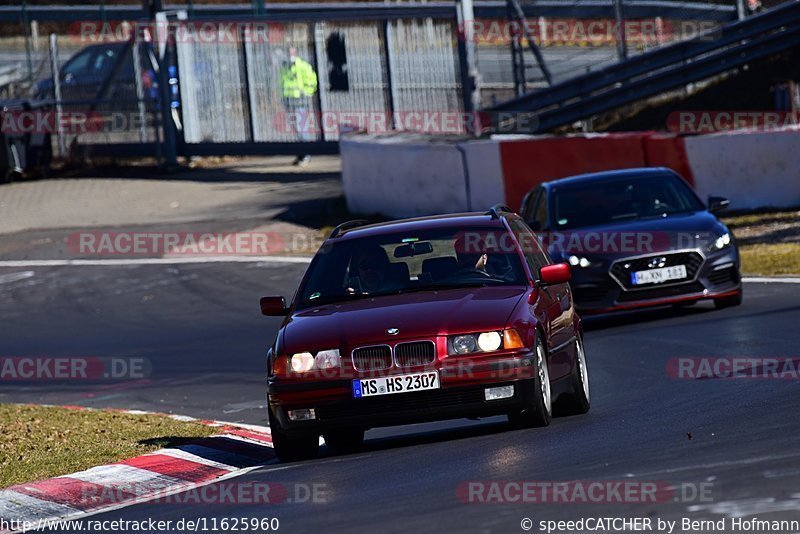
[[347, 226]]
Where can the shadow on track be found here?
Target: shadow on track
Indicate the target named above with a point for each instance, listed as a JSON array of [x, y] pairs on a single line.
[[426, 437], [612, 320]]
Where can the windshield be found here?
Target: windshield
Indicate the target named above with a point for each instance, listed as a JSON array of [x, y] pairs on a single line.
[[409, 262], [614, 200]]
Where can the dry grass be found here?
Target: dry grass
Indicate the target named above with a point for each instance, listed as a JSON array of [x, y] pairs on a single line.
[[769, 241], [771, 260], [42, 442]]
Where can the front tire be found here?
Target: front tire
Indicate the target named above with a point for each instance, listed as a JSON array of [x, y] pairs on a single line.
[[576, 401], [538, 411], [292, 448]]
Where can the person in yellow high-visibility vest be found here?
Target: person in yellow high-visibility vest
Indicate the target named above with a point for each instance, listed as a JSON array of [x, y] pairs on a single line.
[[299, 84]]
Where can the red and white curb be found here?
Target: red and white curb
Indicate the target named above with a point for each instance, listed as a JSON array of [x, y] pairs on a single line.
[[236, 450]]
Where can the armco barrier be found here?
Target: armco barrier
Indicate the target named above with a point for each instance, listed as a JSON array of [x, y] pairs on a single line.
[[406, 176], [752, 169]]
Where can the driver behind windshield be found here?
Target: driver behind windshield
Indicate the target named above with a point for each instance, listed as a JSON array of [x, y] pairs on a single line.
[[475, 256], [471, 256], [370, 265]]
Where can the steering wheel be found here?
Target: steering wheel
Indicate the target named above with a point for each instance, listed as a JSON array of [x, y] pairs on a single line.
[[471, 270]]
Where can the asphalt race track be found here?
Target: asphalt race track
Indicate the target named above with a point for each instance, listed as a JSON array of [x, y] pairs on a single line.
[[199, 329]]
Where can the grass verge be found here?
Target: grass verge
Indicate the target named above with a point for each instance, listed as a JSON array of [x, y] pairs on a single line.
[[43, 442], [769, 241], [779, 259]]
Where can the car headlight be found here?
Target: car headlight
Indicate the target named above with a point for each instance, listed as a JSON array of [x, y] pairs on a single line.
[[579, 261], [328, 359], [483, 342], [303, 362], [722, 241]]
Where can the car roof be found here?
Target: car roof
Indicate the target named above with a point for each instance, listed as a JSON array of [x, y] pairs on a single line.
[[475, 219], [106, 45], [639, 172]]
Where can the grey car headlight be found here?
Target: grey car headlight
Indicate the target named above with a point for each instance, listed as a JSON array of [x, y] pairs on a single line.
[[721, 242]]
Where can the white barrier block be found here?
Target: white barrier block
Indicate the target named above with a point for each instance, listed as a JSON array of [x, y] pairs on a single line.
[[486, 185], [752, 169], [401, 177]]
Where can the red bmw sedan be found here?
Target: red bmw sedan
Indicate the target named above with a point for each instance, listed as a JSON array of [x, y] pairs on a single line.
[[457, 316]]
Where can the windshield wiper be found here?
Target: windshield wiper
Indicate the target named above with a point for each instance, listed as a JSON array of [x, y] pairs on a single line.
[[329, 299], [626, 217]]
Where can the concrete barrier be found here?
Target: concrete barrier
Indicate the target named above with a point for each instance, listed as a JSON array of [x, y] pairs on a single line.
[[752, 169], [485, 168], [407, 175]]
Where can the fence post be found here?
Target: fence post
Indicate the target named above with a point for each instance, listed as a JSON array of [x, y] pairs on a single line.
[[35, 35], [245, 36], [137, 77], [388, 45], [62, 146], [740, 10], [470, 87], [27, 31], [316, 61], [167, 123], [622, 46]]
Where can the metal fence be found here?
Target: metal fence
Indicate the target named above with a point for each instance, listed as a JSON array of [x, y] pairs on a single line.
[[372, 75], [211, 80]]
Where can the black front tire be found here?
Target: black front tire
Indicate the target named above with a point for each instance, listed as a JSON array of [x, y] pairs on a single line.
[[576, 400], [292, 448], [538, 411]]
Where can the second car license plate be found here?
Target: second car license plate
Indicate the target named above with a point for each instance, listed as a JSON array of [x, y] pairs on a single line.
[[387, 385], [656, 276]]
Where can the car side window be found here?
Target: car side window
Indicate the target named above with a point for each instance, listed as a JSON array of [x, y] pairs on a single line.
[[79, 64], [539, 214], [526, 210], [535, 256]]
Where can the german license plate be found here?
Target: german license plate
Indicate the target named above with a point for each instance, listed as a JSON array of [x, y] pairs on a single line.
[[389, 385], [656, 276]]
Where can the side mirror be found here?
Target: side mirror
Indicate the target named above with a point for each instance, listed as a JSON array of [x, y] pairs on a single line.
[[717, 204], [273, 306], [554, 274]]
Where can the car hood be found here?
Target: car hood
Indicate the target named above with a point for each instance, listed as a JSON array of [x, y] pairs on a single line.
[[639, 237], [416, 315]]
